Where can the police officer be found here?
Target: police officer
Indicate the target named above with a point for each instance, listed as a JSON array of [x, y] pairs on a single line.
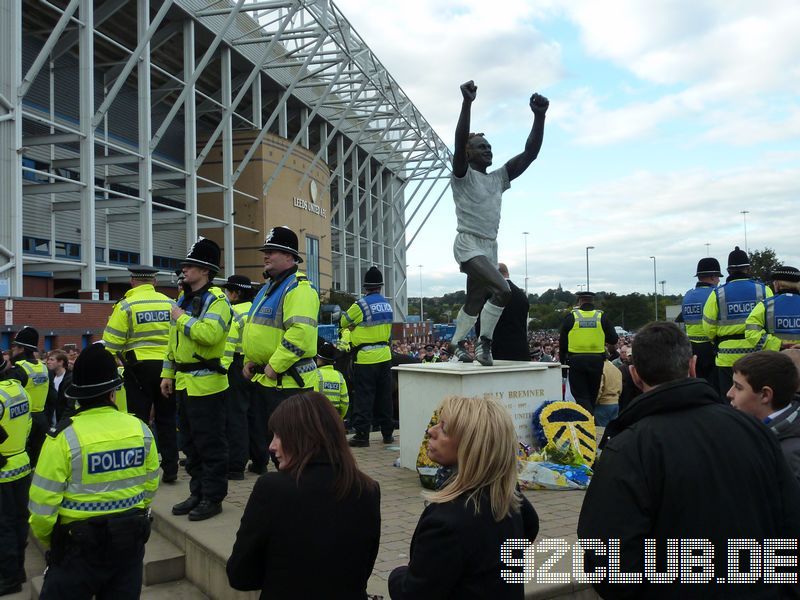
[[280, 336], [240, 292], [774, 323], [708, 274], [89, 499], [725, 313], [370, 319], [15, 476], [330, 382], [585, 332], [430, 354], [22, 354], [137, 332], [193, 370]]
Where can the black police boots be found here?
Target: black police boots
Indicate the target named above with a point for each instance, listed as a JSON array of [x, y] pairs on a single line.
[[359, 441], [205, 510], [185, 507]]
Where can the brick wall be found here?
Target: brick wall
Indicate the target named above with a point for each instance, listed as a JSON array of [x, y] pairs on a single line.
[[46, 316]]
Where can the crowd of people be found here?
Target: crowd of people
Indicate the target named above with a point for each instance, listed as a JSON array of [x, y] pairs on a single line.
[[80, 464]]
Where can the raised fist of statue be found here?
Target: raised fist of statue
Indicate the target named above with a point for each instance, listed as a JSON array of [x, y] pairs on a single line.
[[469, 90], [539, 104]]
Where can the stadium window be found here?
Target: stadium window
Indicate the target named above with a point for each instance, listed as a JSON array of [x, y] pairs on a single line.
[[32, 245], [68, 250], [312, 260], [123, 257]]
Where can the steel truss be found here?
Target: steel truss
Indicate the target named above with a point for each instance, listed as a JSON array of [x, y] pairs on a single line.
[[295, 68]]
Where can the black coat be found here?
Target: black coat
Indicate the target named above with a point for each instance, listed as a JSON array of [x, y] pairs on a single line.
[[297, 541], [456, 554], [510, 338], [677, 464], [57, 400]]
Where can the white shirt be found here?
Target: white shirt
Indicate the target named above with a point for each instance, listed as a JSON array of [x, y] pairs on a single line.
[[57, 380]]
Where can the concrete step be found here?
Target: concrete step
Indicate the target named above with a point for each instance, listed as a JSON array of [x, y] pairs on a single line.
[[206, 544], [174, 590], [163, 561]]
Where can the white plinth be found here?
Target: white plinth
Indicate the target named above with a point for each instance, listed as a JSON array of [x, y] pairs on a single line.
[[519, 386]]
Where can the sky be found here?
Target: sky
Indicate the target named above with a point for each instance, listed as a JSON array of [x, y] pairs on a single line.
[[667, 119]]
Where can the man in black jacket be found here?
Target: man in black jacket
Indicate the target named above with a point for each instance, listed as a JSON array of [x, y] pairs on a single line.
[[60, 380], [678, 468], [510, 340]]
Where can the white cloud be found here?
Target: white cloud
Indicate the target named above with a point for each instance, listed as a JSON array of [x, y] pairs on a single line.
[[730, 56], [433, 47]]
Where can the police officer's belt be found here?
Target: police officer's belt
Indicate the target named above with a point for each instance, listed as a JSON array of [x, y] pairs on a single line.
[[727, 338], [370, 346], [698, 339], [118, 532], [304, 365], [210, 364]]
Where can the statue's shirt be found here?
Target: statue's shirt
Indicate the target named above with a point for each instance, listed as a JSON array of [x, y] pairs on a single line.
[[478, 198]]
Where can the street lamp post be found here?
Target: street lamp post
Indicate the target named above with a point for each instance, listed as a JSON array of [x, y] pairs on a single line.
[[663, 282], [744, 216], [421, 315], [587, 266], [655, 287], [708, 249], [525, 238]]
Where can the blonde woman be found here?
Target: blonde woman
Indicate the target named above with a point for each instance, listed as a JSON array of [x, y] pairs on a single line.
[[455, 551]]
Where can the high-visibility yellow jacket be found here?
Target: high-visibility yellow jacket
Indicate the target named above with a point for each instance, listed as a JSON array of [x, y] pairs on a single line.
[[281, 331], [724, 316], [587, 335], [140, 322], [198, 335], [233, 344], [99, 462], [121, 397], [344, 340], [331, 383], [773, 322], [38, 383], [15, 419], [370, 320]]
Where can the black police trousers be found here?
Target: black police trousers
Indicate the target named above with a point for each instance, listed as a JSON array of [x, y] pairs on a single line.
[[585, 373], [238, 398], [143, 392], [100, 558], [40, 425], [265, 401], [373, 397], [13, 529], [202, 423], [706, 362]]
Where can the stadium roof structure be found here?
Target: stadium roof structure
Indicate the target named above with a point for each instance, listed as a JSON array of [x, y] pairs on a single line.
[[295, 67]]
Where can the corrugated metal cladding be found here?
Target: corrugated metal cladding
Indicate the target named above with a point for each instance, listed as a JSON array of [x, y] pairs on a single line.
[[123, 130], [122, 115]]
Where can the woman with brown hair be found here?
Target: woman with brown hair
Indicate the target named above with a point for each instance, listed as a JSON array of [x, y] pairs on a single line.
[[455, 551], [311, 530]]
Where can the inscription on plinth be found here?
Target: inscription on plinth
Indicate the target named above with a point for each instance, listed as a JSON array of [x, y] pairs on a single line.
[[520, 387]]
